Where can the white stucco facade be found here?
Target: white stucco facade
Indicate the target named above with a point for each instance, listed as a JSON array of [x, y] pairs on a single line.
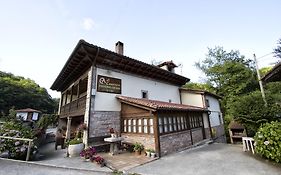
[[193, 99], [214, 107], [132, 86], [198, 99]]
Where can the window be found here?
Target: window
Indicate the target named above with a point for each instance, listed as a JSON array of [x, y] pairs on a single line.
[[125, 126], [134, 125], [129, 126], [145, 130], [207, 103], [160, 125], [170, 124], [144, 94], [140, 125], [166, 124], [151, 130], [220, 119]]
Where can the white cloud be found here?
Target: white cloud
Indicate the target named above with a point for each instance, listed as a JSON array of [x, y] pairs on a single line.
[[88, 24]]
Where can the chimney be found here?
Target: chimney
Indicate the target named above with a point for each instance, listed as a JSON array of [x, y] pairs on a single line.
[[119, 48]]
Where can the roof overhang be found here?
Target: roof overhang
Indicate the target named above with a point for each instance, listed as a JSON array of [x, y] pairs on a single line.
[[273, 75], [155, 105], [203, 92], [85, 55]]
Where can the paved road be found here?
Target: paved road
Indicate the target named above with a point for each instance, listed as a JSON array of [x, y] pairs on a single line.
[[217, 159], [8, 167]]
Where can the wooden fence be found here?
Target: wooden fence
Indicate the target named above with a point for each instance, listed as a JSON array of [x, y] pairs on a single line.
[[22, 139]]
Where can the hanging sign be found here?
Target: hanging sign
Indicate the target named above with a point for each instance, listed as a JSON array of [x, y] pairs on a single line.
[[108, 84]]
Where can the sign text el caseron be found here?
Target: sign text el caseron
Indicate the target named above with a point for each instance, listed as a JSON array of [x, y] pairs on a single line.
[[109, 84]]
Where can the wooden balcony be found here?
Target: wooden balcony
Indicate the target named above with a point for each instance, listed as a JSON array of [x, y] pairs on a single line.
[[74, 108]]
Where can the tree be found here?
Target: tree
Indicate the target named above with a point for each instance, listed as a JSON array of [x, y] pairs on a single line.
[[250, 110], [228, 72], [23, 93], [199, 86], [277, 50]]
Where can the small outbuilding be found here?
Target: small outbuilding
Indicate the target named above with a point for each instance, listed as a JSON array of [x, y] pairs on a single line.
[[28, 114], [236, 132]]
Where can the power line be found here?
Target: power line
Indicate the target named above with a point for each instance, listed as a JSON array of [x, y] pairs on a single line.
[[264, 55]]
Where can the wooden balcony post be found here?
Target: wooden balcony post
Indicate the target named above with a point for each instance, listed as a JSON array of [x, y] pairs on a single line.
[[68, 128], [78, 92]]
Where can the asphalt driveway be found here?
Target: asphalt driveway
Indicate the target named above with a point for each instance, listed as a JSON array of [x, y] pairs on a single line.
[[217, 159]]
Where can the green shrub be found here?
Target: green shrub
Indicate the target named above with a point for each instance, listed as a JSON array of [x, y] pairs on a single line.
[[16, 149], [268, 141], [75, 141], [46, 120], [138, 146]]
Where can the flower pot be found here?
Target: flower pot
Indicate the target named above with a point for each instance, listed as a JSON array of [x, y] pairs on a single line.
[[147, 154], [137, 153], [113, 135], [74, 150]]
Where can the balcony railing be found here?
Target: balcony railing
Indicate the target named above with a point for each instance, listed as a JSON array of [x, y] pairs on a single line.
[[74, 108]]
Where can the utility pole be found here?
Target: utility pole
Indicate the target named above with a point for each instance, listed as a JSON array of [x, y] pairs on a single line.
[[260, 82]]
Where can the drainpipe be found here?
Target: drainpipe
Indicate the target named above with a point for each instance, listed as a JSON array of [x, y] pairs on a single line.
[[211, 134]]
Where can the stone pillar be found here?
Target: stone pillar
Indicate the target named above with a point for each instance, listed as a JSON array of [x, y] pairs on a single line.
[[88, 106], [68, 128]]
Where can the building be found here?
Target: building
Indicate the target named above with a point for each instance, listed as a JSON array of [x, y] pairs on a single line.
[[28, 114], [210, 101], [274, 74], [106, 89]]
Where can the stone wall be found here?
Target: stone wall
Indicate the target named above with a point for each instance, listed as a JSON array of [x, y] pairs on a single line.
[[219, 134], [207, 132], [147, 140], [197, 135], [174, 142], [101, 121]]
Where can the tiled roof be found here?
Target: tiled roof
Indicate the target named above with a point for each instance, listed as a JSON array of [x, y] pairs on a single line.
[[158, 105], [235, 125], [28, 110], [85, 55]]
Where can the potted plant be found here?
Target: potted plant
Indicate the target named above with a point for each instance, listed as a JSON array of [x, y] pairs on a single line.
[[148, 152], [152, 153], [76, 145], [138, 147], [113, 133], [88, 153], [99, 160]]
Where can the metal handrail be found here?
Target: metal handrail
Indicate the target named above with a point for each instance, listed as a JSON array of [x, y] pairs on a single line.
[[22, 139]]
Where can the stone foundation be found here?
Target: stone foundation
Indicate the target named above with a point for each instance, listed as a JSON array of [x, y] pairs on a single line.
[[173, 142], [207, 132], [197, 135], [219, 134], [102, 121], [147, 140]]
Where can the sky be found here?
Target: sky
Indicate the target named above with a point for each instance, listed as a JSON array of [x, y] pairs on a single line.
[[37, 37]]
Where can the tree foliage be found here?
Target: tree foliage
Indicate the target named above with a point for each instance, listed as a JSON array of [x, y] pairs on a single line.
[[277, 50], [264, 70], [228, 72], [250, 110], [23, 93], [200, 86]]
